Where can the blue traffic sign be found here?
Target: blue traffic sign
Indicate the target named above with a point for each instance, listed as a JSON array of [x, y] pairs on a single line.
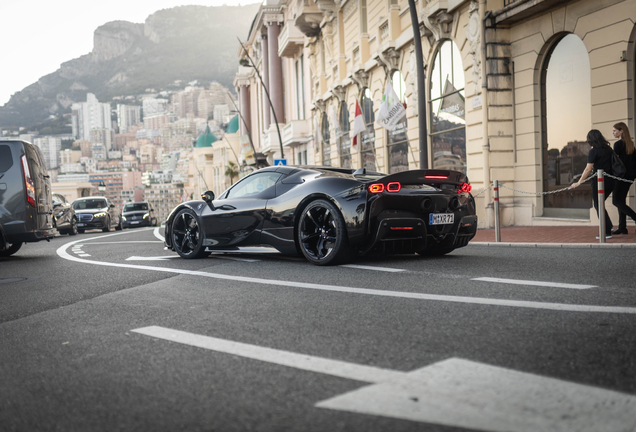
[[280, 162]]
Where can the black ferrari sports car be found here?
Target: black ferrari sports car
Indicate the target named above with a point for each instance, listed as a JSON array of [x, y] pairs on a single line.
[[329, 215]]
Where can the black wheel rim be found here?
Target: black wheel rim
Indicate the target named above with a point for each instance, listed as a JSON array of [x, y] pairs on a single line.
[[186, 233], [318, 232]]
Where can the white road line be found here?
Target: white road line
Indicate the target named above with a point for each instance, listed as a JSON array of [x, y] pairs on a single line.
[[61, 251], [534, 283], [155, 232], [157, 258], [363, 267], [83, 254], [270, 355], [454, 392], [127, 242]]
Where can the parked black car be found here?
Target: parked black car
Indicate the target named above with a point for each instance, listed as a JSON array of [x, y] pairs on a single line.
[[97, 213], [64, 216], [329, 215], [139, 214], [25, 196]]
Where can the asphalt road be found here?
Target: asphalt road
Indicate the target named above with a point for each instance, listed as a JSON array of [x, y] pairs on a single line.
[[110, 332]]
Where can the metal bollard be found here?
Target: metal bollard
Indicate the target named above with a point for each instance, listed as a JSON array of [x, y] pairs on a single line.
[[601, 206], [496, 206]]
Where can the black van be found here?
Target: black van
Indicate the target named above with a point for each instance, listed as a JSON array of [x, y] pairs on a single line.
[[26, 206]]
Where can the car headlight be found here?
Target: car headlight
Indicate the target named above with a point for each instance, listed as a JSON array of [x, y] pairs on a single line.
[[146, 215], [123, 217], [99, 215]]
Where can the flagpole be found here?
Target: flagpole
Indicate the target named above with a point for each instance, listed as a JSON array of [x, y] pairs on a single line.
[[421, 90]]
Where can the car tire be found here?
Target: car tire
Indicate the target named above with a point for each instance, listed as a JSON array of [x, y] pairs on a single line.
[[73, 230], [187, 237], [13, 248], [107, 225], [120, 225], [322, 234]]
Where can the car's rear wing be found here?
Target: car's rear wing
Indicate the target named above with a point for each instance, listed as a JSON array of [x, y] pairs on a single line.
[[429, 177]]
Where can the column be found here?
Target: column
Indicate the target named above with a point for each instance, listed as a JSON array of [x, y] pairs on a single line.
[[244, 95], [265, 63], [275, 72]]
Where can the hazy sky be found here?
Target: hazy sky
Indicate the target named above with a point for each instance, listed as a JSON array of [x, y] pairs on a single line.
[[36, 36]]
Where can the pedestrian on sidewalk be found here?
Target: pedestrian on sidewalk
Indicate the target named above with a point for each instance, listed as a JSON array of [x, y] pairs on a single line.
[[600, 157], [624, 148]]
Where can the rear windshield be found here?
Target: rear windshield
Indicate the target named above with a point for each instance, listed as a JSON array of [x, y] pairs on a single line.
[[6, 160], [89, 204], [135, 207]]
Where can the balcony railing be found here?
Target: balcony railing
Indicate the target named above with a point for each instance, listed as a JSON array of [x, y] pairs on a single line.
[[296, 132]]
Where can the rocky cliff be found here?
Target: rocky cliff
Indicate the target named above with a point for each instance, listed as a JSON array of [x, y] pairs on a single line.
[[184, 43]]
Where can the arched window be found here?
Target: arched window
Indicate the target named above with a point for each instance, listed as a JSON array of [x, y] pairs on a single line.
[[448, 124], [326, 141], [566, 119], [398, 143], [368, 138], [344, 141]]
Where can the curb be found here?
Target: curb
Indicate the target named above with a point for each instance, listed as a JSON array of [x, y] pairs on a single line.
[[559, 245]]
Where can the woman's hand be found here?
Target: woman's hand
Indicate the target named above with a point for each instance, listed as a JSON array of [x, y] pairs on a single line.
[[575, 185]]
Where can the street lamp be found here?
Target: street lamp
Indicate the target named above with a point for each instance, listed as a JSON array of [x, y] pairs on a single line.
[[101, 186]]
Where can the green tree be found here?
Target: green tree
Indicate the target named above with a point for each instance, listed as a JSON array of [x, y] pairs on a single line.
[[231, 171]]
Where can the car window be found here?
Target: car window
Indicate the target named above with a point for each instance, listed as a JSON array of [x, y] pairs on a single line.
[[6, 160], [254, 184], [135, 207], [89, 204], [57, 197]]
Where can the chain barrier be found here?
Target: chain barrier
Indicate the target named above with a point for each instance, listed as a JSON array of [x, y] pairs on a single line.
[[600, 174], [483, 190], [554, 191], [618, 178]]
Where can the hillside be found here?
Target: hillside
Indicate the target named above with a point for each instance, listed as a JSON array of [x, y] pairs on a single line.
[[184, 43]]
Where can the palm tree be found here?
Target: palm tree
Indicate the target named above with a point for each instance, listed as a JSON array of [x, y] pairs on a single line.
[[231, 171]]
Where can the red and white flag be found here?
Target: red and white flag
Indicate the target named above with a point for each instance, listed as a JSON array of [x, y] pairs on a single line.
[[358, 125]]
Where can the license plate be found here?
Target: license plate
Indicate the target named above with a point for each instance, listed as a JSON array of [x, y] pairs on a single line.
[[80, 224], [134, 222], [441, 218]]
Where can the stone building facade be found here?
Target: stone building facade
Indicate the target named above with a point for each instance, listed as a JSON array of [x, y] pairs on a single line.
[[512, 87]]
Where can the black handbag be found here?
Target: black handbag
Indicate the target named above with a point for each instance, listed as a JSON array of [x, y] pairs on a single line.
[[618, 167]]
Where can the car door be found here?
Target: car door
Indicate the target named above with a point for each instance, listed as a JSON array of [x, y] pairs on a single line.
[[238, 216]]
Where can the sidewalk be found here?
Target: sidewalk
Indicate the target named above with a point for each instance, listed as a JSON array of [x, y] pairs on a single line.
[[556, 236]]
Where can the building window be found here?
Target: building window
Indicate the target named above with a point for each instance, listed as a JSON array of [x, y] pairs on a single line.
[[398, 142], [344, 141], [326, 141], [367, 139], [566, 118], [448, 124], [300, 89]]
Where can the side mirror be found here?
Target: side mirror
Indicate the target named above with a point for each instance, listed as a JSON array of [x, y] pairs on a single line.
[[208, 197]]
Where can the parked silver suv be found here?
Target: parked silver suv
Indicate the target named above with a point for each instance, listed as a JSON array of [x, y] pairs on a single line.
[[26, 206]]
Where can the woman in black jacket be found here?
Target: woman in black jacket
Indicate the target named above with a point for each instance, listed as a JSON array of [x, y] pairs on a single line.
[[600, 157], [624, 148]]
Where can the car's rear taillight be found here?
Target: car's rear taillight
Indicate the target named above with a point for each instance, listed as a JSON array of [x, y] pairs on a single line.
[[29, 185], [464, 188], [376, 188], [394, 187], [435, 177]]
